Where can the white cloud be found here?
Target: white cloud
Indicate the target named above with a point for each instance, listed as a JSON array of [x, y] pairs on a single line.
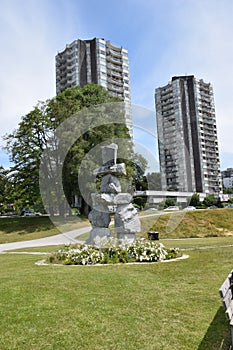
[[27, 73], [33, 33]]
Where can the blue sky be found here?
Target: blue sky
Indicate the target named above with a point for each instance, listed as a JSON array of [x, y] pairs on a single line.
[[163, 37]]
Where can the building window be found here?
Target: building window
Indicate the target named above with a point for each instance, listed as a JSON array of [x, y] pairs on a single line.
[[102, 61], [102, 67], [101, 45]]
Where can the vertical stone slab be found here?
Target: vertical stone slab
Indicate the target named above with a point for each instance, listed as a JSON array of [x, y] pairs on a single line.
[[109, 154]]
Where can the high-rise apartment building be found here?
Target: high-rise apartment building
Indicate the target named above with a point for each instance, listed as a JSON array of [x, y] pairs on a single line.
[[187, 136], [95, 61], [227, 177]]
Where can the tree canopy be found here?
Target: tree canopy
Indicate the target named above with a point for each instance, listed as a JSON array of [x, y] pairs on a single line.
[[195, 200], [37, 132]]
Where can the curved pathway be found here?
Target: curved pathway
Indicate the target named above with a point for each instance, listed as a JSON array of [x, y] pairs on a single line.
[[63, 238]]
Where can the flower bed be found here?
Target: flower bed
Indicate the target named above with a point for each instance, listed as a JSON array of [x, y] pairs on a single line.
[[111, 251]]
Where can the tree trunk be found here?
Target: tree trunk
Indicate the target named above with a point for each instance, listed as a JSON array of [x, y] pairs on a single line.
[[85, 209]]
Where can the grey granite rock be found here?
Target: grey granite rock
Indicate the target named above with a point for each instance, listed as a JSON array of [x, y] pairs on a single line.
[[129, 237], [126, 219], [98, 233], [100, 201], [123, 198], [117, 169], [99, 218], [110, 184]]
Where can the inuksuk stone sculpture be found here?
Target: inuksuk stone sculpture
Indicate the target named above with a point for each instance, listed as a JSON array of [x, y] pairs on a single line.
[[110, 200]]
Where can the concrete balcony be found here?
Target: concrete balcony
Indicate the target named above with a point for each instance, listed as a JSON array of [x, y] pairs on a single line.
[[115, 88], [208, 138], [207, 109], [114, 60], [167, 107], [111, 66], [117, 82], [210, 145], [70, 59], [210, 156], [115, 94], [63, 79], [116, 74], [114, 53]]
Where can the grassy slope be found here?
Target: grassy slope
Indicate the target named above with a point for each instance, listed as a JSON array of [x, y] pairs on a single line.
[[25, 228], [200, 223], [157, 306]]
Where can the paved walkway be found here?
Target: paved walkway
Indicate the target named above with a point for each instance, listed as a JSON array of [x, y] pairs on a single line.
[[63, 238]]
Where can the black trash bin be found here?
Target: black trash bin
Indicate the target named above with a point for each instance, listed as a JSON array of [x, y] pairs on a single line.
[[154, 236]]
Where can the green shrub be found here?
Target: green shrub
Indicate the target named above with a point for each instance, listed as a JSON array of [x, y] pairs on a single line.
[[108, 251]]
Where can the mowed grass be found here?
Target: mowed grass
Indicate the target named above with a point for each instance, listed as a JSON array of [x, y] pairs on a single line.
[[173, 305], [199, 223], [15, 229]]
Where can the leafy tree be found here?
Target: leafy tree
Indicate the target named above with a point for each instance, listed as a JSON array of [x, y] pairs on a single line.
[[3, 182], [8, 196], [77, 166], [154, 181], [219, 203], [211, 200], [36, 132], [151, 181], [195, 200], [228, 190], [25, 146], [140, 202], [6, 199], [169, 202], [140, 165], [161, 205]]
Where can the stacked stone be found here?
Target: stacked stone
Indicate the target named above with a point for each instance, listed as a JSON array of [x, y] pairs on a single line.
[[111, 200]]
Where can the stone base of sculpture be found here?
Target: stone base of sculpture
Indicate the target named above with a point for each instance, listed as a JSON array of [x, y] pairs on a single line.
[[129, 237], [98, 233]]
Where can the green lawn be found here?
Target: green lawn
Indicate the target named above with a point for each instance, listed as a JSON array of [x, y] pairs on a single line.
[[160, 306]]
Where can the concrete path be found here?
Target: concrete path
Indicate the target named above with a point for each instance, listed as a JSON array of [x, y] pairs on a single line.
[[63, 238]]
